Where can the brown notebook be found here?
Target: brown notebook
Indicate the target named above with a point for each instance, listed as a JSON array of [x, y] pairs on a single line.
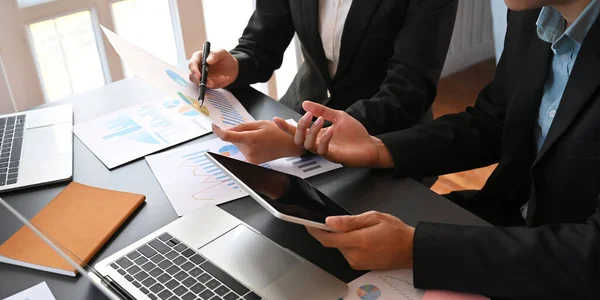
[[81, 219]]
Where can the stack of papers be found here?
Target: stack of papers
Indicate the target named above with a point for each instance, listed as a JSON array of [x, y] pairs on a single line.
[[190, 180], [136, 131]]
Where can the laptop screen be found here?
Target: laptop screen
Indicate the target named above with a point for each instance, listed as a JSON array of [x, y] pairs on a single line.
[[288, 194]]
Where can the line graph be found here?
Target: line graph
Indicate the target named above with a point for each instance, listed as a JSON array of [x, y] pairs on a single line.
[[207, 172], [404, 287]]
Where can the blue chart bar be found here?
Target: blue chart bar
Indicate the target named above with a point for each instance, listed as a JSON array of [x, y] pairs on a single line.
[[306, 163], [157, 119], [120, 126], [208, 168], [195, 154], [161, 137], [230, 115]]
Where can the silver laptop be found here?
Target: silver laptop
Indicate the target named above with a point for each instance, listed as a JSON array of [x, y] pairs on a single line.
[[207, 254], [36, 147]]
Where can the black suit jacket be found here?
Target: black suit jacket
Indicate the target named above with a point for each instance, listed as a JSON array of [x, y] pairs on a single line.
[[391, 56], [555, 252]]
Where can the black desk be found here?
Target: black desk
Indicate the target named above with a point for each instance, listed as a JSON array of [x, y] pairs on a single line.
[[359, 190]]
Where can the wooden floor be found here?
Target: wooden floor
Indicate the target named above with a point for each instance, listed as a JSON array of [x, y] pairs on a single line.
[[455, 93]]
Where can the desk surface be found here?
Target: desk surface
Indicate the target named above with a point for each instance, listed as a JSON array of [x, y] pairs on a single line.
[[358, 190]]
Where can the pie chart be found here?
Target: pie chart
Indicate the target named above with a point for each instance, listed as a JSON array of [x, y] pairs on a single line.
[[229, 150], [178, 79], [368, 292], [171, 103]]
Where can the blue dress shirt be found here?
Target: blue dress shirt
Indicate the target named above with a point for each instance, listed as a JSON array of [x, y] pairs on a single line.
[[566, 43]]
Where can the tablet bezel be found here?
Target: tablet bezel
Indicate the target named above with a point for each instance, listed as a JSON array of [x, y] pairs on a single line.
[[264, 203]]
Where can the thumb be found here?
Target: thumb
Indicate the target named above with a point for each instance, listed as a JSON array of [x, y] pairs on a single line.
[[319, 110], [216, 56], [285, 126], [351, 223]]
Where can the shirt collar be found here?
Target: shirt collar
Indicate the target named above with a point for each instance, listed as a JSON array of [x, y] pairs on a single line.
[[551, 24]]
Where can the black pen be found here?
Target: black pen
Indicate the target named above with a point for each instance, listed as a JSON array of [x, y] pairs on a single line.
[[202, 86]]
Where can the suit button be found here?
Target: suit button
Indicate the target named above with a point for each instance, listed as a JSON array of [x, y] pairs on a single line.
[[328, 94]]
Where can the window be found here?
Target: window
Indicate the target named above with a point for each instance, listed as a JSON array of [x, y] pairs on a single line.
[[149, 25], [67, 55]]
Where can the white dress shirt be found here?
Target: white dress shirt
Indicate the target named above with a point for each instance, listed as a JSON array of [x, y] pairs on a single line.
[[332, 17]]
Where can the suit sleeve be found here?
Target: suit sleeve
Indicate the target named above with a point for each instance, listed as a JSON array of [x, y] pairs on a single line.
[[556, 261], [451, 143], [463, 141], [264, 41], [413, 72]]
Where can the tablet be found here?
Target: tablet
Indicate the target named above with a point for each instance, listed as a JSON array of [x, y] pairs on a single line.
[[287, 197]]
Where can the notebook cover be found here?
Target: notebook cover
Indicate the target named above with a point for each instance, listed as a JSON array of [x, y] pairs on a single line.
[[81, 218]]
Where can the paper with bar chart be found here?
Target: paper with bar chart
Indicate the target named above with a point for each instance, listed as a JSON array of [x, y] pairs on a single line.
[[220, 106], [136, 131], [397, 284], [190, 180]]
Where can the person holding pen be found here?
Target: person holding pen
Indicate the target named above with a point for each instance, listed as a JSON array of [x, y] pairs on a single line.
[[380, 60]]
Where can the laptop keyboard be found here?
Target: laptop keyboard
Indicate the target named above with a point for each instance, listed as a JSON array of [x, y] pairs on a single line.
[[11, 140], [166, 269]]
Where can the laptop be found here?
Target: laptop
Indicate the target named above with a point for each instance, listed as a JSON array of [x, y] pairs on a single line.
[[36, 147], [206, 254]]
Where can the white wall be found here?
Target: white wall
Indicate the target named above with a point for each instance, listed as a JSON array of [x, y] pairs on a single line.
[[499, 10], [472, 39], [19, 67], [6, 101]]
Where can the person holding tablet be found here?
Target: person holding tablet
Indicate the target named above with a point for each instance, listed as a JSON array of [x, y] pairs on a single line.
[[380, 60], [539, 119]]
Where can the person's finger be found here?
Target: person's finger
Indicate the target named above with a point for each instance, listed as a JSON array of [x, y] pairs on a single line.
[[194, 67], [217, 81], [323, 147], [320, 110], [335, 239], [311, 136], [285, 126], [301, 129], [351, 223], [227, 135], [248, 126]]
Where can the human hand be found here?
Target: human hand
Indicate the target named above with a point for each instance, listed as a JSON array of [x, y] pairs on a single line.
[[260, 141], [223, 68], [347, 141], [369, 241]]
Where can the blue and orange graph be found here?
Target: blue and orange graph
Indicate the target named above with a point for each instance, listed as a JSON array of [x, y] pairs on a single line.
[[368, 292], [208, 172], [229, 115]]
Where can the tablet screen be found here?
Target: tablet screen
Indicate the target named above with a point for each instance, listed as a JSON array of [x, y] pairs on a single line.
[[287, 194]]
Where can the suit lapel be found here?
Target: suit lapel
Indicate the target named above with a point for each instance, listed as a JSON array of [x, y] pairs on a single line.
[[312, 38], [359, 17], [523, 109], [583, 82]]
